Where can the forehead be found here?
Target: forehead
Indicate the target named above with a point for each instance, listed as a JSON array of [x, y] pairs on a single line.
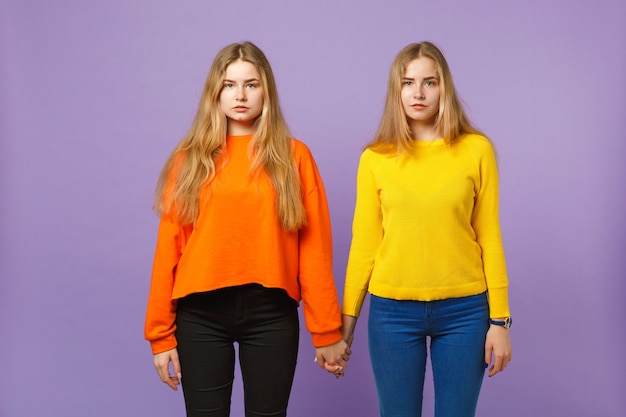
[[421, 67], [243, 70]]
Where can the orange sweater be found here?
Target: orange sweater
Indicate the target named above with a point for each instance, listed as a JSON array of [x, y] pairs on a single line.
[[238, 240]]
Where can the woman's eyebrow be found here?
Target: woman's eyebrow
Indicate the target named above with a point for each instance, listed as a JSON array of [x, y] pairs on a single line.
[[226, 80]]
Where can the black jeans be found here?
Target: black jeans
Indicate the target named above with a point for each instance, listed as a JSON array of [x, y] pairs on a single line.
[[264, 322]]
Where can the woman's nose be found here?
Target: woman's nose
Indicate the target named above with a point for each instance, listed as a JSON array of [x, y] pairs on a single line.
[[419, 92], [241, 94]]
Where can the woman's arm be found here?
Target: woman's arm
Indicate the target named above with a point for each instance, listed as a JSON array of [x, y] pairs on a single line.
[[348, 327], [486, 224], [367, 234], [315, 273], [161, 310]]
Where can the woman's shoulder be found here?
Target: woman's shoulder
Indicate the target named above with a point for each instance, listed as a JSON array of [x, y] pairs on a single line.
[[373, 159], [479, 148], [301, 150], [476, 141], [304, 158], [299, 146], [379, 153]]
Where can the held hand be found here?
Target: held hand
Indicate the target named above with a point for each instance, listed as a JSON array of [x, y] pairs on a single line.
[[498, 350], [333, 357], [161, 363]]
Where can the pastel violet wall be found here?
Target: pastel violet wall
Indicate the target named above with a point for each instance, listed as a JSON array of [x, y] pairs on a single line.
[[94, 95]]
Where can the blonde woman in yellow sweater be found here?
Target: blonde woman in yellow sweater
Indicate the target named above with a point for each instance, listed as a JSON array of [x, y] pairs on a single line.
[[427, 246], [244, 237]]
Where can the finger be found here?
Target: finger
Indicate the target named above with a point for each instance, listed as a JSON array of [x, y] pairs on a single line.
[[163, 371], [505, 360], [167, 379], [173, 383], [498, 365], [332, 368], [319, 360], [340, 363], [488, 353], [177, 368]]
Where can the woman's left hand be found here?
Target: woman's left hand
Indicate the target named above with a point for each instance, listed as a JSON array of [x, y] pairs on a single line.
[[333, 357], [498, 350]]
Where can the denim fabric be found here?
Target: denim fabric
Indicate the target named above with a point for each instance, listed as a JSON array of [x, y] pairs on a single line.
[[399, 331], [264, 322]]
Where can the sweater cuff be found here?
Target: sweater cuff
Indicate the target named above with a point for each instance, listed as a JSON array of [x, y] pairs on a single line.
[[499, 302], [163, 345], [326, 339], [353, 301]]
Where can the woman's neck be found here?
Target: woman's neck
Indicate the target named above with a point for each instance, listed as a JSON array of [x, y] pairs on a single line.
[[424, 132], [235, 128]]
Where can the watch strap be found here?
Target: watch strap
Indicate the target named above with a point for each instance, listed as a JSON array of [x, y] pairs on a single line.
[[504, 323]]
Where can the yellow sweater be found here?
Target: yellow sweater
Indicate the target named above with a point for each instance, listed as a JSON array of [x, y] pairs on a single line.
[[238, 240], [426, 226]]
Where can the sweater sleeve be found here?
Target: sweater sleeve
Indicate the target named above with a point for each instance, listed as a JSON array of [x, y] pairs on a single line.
[[486, 224], [315, 275], [367, 234], [161, 311]]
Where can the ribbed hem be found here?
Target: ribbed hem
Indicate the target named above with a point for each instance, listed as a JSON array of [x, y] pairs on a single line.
[[163, 345], [326, 339]]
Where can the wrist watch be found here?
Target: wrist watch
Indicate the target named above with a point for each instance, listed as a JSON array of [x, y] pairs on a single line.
[[506, 323]]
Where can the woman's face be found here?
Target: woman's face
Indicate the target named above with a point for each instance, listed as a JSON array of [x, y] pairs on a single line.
[[241, 98], [420, 92]]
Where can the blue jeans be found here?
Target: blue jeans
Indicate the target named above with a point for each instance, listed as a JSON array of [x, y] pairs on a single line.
[[398, 331]]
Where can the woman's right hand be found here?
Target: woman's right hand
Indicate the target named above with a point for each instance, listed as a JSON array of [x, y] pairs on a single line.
[[162, 364]]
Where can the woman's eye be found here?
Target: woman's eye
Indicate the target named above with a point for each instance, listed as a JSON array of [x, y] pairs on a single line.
[[228, 85], [251, 85], [408, 83]]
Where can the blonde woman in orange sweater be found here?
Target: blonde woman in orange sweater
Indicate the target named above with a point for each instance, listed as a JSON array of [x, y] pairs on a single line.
[[244, 236]]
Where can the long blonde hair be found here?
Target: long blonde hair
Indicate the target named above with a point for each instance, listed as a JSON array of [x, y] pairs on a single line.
[[394, 132], [194, 160]]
